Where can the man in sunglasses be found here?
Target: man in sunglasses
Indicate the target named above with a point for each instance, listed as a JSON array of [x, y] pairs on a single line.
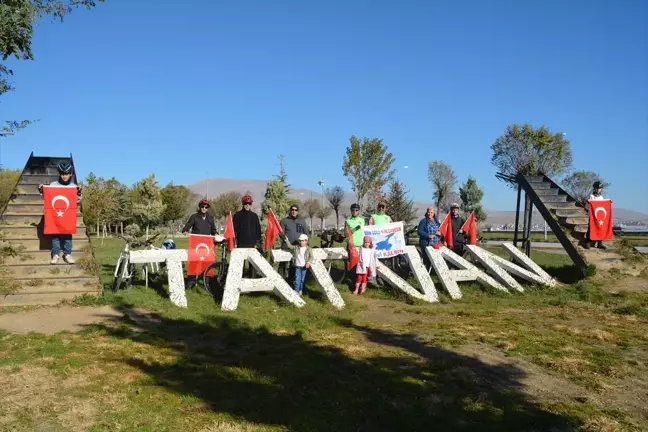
[[293, 226], [201, 223]]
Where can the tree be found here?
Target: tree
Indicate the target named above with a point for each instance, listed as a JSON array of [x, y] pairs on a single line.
[[367, 164], [531, 151], [17, 19], [471, 196], [276, 198], [443, 181], [335, 197], [579, 184], [103, 202], [176, 200], [147, 202], [374, 197], [322, 214], [225, 203], [312, 207], [400, 207], [8, 180]]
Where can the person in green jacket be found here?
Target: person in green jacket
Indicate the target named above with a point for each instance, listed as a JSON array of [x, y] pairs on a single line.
[[355, 223], [381, 217]]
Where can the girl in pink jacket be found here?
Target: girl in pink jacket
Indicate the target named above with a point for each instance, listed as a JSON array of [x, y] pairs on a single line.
[[366, 267]]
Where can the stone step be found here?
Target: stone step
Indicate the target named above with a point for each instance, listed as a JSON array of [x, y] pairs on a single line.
[[30, 257], [545, 192], [20, 198], [535, 179], [27, 189], [57, 283], [44, 243], [30, 208], [553, 198], [27, 271], [41, 299], [559, 205], [36, 179], [541, 186], [33, 231], [27, 218], [573, 212], [574, 220], [581, 228]]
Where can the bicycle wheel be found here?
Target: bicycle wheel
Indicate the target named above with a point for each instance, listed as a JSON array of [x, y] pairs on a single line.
[[131, 273], [117, 280], [337, 274], [212, 283]]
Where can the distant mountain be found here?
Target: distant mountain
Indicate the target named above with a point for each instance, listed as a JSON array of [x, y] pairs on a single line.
[[213, 187]]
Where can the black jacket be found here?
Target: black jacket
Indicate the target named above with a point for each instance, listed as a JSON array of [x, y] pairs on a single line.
[[247, 229], [198, 225], [457, 223], [293, 228]]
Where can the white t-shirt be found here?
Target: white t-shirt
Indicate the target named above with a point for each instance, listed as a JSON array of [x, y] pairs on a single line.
[[596, 197], [300, 260], [365, 260]]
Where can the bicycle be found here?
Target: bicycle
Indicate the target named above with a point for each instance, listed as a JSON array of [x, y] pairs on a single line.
[[124, 270], [215, 284]]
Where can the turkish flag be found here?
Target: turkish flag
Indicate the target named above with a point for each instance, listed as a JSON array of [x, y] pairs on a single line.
[[272, 230], [60, 210], [229, 232], [200, 253], [354, 257], [470, 227], [600, 220], [446, 231]]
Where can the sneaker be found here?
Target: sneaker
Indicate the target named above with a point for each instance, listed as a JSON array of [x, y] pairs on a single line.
[[68, 259], [55, 259], [601, 246]]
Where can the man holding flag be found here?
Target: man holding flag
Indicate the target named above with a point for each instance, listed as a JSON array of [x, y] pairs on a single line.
[[600, 218], [457, 222], [201, 225]]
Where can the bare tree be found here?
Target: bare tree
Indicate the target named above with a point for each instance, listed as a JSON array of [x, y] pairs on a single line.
[[322, 214], [312, 206], [443, 181], [335, 197]]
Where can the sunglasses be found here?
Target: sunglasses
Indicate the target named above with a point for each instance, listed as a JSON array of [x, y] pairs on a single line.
[[204, 206], [293, 210], [381, 207], [355, 210]]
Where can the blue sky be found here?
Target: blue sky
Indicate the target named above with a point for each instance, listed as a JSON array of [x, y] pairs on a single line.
[[190, 89]]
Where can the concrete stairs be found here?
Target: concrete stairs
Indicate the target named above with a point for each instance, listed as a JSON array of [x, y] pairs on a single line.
[[34, 280]]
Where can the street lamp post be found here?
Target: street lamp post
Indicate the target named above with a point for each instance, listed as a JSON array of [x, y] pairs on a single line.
[[321, 183]]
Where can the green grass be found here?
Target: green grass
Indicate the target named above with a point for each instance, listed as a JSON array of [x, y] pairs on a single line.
[[383, 363]]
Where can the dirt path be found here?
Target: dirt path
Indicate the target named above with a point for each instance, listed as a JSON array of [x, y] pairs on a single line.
[[54, 320]]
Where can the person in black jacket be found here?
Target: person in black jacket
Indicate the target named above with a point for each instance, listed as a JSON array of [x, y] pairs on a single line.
[[293, 227], [201, 223], [458, 238], [247, 228]]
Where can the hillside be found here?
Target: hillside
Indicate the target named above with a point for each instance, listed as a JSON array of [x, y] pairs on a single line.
[[214, 187]]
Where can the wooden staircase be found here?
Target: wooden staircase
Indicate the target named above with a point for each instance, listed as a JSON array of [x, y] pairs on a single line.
[[37, 281]]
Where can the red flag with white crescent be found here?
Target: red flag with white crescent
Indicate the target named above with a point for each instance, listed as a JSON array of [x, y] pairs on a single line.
[[273, 229], [229, 233], [470, 227], [60, 210], [200, 253], [354, 256], [600, 220], [446, 231]]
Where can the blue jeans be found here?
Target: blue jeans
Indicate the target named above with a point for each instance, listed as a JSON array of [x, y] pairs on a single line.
[[300, 277], [67, 244]]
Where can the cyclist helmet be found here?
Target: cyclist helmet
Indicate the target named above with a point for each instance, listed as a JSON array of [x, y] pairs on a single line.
[[64, 168], [454, 206], [204, 202], [168, 244], [247, 199], [355, 206]]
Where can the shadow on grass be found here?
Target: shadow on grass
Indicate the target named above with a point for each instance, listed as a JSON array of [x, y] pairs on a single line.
[[285, 380], [567, 274]]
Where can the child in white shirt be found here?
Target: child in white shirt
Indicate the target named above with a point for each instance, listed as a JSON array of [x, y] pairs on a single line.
[[366, 267], [302, 256]]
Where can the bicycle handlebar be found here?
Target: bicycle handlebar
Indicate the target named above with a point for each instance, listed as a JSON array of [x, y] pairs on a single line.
[[139, 243]]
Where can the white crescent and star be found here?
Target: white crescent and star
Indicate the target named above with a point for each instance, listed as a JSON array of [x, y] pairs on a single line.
[[59, 213], [200, 246], [600, 221]]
